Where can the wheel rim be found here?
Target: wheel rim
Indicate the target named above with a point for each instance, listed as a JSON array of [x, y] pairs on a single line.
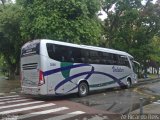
[[83, 89]]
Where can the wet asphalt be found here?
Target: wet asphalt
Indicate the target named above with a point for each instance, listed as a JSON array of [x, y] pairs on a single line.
[[122, 101], [115, 100]]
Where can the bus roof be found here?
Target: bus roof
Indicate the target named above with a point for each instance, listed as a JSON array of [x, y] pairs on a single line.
[[83, 46]]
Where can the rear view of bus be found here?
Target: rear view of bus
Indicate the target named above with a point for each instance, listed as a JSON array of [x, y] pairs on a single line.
[[32, 80]]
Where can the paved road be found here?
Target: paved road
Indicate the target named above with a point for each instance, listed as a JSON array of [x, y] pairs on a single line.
[[122, 101], [22, 107]]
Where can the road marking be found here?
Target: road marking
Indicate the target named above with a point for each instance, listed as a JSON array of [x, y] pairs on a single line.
[[68, 115], [12, 92], [42, 112], [2, 93], [26, 108], [16, 105], [13, 101], [9, 96], [99, 118], [20, 102], [10, 99], [156, 102]]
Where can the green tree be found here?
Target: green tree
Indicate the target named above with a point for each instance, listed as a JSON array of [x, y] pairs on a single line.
[[65, 20], [10, 37], [3, 66], [155, 55], [131, 26]]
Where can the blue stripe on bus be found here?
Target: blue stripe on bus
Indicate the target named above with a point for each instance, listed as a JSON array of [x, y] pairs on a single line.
[[69, 79], [114, 78], [88, 73], [106, 83], [84, 73], [49, 72]]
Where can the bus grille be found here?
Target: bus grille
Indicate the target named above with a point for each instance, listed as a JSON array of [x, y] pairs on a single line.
[[29, 66]]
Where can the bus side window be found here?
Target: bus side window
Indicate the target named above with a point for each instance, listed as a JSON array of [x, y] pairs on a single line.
[[72, 60], [85, 55], [62, 53], [63, 59], [76, 55], [82, 59], [121, 60], [89, 60], [66, 51], [51, 50], [110, 59], [105, 58], [115, 59], [127, 63]]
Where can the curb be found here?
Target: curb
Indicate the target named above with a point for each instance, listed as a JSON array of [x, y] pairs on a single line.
[[148, 79]]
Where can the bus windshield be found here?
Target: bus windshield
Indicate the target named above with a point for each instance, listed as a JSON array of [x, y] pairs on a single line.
[[135, 65]]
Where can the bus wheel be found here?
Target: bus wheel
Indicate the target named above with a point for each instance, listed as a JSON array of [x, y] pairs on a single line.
[[129, 83], [83, 89]]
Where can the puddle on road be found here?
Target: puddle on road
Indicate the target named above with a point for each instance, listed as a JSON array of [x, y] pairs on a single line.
[[121, 101], [88, 103], [7, 86]]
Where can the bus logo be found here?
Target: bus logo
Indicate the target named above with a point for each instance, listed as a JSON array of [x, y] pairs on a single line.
[[117, 69]]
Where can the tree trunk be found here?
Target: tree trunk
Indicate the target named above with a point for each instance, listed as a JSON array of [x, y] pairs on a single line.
[[158, 71], [145, 69], [12, 73], [17, 71], [11, 68]]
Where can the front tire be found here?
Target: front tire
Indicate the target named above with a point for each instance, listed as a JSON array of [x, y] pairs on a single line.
[[83, 89], [129, 83]]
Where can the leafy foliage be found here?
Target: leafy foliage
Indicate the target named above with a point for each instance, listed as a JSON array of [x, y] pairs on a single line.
[[155, 56], [10, 39], [66, 20], [71, 20], [131, 26]]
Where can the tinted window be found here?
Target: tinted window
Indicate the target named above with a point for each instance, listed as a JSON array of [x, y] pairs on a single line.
[[64, 53], [123, 61], [133, 65], [77, 55], [95, 57], [114, 59]]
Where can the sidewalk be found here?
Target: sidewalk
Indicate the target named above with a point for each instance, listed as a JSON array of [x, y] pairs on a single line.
[[153, 108], [7, 86], [147, 79]]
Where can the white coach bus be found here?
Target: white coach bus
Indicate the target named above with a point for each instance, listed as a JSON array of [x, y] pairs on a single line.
[[51, 67]]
